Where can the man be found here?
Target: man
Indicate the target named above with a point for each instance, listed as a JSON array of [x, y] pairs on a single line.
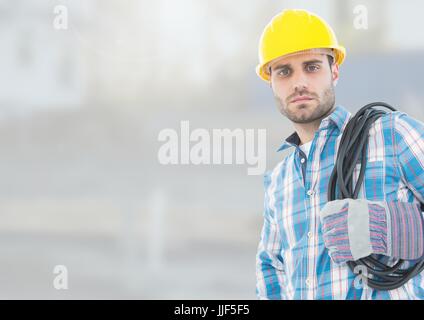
[[306, 240]]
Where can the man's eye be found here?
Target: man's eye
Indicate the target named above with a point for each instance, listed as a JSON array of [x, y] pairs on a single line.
[[312, 68], [284, 72]]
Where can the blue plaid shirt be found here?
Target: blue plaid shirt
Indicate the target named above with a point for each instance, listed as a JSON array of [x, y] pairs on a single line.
[[292, 261]]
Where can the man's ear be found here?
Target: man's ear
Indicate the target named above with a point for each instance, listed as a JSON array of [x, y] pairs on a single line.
[[270, 79], [335, 73]]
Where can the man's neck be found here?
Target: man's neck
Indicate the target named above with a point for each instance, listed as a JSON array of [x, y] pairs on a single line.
[[306, 131]]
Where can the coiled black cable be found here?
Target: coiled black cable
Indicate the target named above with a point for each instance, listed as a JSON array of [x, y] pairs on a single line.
[[354, 145]]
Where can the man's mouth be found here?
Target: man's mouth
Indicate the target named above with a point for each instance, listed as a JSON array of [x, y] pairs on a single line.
[[301, 99]]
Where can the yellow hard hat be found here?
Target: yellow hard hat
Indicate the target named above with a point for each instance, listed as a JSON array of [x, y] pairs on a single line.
[[292, 31]]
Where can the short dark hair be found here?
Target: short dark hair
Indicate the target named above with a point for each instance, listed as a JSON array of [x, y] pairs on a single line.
[[330, 60]]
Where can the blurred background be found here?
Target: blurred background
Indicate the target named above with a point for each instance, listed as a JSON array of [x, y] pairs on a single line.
[[80, 113]]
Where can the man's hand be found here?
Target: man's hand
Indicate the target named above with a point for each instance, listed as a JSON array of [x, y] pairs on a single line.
[[355, 228]]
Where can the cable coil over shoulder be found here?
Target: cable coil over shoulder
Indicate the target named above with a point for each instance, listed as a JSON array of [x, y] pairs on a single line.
[[354, 145]]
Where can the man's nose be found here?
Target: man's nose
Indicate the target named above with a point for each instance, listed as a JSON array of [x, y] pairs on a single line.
[[300, 82]]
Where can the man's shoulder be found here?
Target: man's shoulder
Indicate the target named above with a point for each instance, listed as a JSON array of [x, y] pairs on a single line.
[[390, 117], [388, 120], [397, 122]]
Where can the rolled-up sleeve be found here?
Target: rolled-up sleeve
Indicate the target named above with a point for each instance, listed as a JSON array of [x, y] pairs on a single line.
[[409, 155], [409, 149]]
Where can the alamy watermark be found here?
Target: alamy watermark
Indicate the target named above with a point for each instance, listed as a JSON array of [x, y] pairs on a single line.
[[361, 17], [60, 20], [60, 281], [221, 146], [361, 280]]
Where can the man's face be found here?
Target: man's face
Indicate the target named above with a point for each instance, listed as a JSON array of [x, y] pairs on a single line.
[[303, 86]]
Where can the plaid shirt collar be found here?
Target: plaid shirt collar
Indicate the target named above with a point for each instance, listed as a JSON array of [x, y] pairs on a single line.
[[337, 118]]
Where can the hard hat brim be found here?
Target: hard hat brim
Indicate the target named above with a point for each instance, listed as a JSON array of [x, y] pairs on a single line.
[[262, 72]]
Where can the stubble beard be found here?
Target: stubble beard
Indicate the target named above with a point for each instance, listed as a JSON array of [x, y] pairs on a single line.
[[321, 110]]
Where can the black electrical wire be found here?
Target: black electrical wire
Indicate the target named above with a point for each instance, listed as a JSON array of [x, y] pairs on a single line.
[[354, 145]]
